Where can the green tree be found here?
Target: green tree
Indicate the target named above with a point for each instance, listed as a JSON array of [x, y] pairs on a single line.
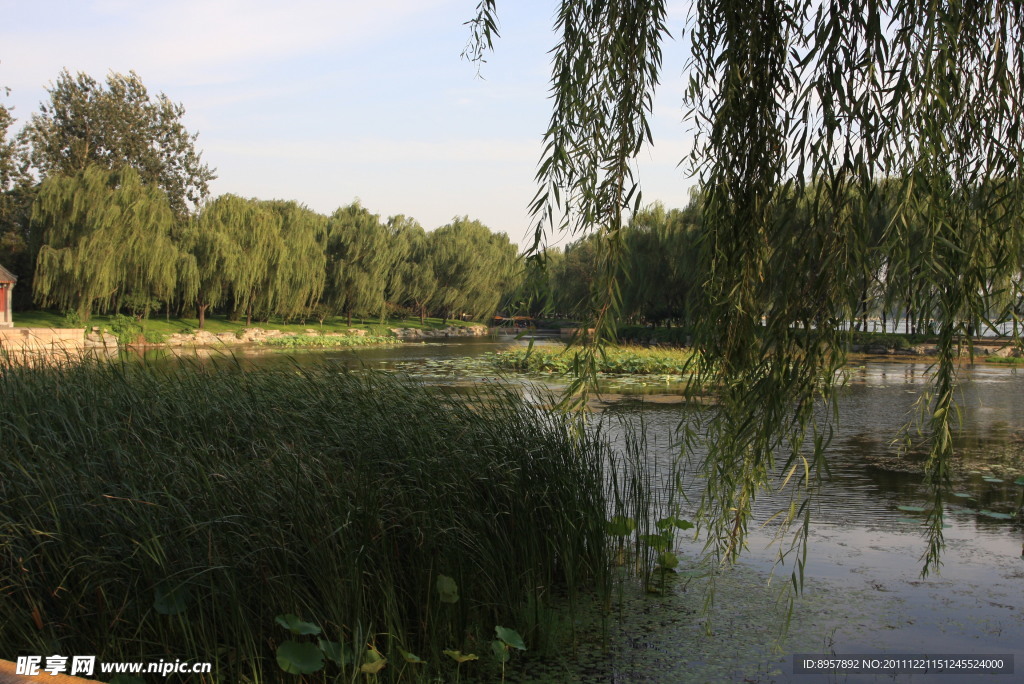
[[358, 261], [234, 244], [400, 231], [16, 195], [535, 293], [473, 268], [297, 276], [416, 272], [105, 235], [574, 279], [794, 102], [115, 126]]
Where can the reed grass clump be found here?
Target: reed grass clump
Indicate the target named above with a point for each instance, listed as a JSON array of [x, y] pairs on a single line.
[[177, 512]]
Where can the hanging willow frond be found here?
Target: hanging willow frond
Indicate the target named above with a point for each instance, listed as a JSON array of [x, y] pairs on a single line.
[[839, 147], [103, 235]]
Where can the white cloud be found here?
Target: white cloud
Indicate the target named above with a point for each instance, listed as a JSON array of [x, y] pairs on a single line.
[[193, 42]]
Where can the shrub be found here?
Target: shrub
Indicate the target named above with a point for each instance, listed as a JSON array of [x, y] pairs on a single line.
[[126, 328]]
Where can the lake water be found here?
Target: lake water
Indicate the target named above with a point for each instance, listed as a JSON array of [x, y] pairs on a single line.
[[863, 593]]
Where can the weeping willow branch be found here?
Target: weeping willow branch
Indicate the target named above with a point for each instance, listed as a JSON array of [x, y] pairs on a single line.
[[826, 135]]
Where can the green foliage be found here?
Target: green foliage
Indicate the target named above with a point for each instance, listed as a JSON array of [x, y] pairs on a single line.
[[888, 340], [71, 319], [359, 261], [621, 526], [100, 233], [447, 589], [103, 235], [613, 360], [323, 341], [510, 638], [300, 657], [825, 137], [116, 127], [125, 328], [1005, 360], [295, 625], [152, 487], [473, 268]]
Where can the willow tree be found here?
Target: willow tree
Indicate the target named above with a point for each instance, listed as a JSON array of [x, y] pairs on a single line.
[[400, 230], [416, 272], [234, 243], [792, 101], [297, 276], [473, 268], [358, 261], [103, 235]]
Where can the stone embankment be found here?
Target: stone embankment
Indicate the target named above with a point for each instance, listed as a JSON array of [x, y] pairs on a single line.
[[52, 340], [450, 331]]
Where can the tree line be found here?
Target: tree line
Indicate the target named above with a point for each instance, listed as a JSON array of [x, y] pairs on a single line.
[[661, 260], [105, 207]]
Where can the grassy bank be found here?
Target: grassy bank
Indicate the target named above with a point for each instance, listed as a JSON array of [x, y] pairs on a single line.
[[209, 515], [220, 324], [560, 358]]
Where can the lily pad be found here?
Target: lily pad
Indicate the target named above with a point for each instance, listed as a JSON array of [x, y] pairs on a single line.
[[460, 657], [447, 589], [341, 654], [962, 495], [373, 662], [997, 516], [672, 521], [410, 658], [668, 560], [912, 509], [620, 526], [909, 521], [1019, 481], [170, 600], [293, 624], [510, 637], [991, 479], [658, 542], [299, 658]]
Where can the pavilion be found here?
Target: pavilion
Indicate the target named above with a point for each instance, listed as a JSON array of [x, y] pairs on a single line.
[[7, 281]]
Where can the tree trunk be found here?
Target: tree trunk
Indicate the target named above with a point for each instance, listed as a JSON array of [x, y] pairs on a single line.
[[202, 315]]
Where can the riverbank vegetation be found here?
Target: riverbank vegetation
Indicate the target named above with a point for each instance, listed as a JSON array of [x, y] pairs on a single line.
[[215, 514], [329, 341], [563, 359], [161, 327]]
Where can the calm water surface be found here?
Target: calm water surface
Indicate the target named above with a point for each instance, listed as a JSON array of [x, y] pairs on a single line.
[[864, 593]]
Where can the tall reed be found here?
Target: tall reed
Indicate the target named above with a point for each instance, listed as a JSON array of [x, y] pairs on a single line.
[[174, 512]]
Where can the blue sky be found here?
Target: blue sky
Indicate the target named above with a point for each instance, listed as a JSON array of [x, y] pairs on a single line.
[[325, 101]]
